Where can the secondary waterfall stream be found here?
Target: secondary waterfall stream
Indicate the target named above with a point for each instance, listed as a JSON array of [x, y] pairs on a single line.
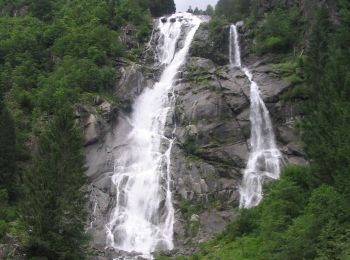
[[264, 157], [143, 217]]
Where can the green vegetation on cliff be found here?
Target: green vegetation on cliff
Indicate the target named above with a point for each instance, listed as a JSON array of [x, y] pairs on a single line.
[[54, 207], [53, 51], [306, 214]]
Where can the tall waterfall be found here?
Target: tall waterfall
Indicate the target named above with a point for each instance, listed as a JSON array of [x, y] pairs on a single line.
[[143, 217], [264, 157]]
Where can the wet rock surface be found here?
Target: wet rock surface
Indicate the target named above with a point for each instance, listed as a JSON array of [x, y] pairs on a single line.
[[212, 131]]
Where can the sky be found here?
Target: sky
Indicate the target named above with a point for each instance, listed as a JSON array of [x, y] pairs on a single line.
[[182, 5]]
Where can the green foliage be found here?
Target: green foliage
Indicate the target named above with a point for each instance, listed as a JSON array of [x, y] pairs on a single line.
[[3, 228], [280, 31], [291, 71], [161, 7], [94, 42], [210, 10], [276, 29], [244, 224], [191, 147], [298, 242], [69, 80], [233, 10], [328, 110], [54, 209], [187, 209], [296, 220], [304, 215], [42, 9], [52, 51], [216, 31], [8, 174]]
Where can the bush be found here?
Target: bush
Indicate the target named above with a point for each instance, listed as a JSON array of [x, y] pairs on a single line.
[[3, 228], [271, 43], [244, 224], [280, 31], [216, 32]]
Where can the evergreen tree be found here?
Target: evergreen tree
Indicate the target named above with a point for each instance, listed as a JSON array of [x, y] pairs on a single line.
[[317, 48], [210, 10], [42, 9], [327, 123], [196, 11], [233, 10], [161, 7], [54, 206], [190, 10], [8, 177]]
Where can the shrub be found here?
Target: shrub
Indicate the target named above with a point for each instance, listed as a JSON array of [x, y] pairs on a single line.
[[3, 228], [280, 31]]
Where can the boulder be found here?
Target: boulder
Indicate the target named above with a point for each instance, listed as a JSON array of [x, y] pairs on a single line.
[[91, 130], [270, 85], [130, 84], [203, 46]]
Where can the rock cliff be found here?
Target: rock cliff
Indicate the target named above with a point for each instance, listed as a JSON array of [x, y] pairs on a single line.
[[212, 129]]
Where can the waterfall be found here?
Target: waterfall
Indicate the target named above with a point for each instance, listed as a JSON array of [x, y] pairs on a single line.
[[264, 157], [235, 53], [143, 217]]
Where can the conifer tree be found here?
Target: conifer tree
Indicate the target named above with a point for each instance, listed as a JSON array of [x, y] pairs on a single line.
[[162, 7], [190, 10], [210, 10], [196, 11], [326, 127], [8, 178], [55, 203]]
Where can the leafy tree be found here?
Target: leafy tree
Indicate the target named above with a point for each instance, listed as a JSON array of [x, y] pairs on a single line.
[[54, 208]]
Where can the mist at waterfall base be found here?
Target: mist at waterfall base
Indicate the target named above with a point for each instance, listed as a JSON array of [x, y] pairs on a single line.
[[264, 157], [143, 217]]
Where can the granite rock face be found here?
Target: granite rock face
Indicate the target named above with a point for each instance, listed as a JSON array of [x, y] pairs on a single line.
[[212, 130], [212, 133]]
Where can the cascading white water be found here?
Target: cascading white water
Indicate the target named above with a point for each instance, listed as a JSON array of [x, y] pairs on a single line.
[[143, 217], [264, 157], [235, 53]]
